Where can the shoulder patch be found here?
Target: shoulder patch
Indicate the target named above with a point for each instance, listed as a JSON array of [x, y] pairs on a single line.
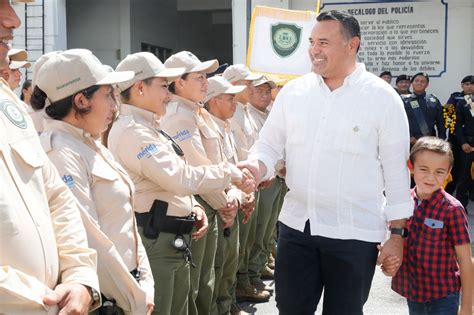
[[182, 135], [147, 151]]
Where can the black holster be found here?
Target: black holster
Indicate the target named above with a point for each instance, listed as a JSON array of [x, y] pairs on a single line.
[[156, 221], [108, 307]]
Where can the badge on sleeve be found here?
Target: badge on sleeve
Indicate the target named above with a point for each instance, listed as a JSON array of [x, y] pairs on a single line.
[[13, 114]]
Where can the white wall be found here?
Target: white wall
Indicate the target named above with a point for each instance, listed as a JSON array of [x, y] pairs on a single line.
[[460, 50]]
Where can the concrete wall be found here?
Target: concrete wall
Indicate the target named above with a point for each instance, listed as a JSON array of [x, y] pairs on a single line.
[[179, 30], [95, 25]]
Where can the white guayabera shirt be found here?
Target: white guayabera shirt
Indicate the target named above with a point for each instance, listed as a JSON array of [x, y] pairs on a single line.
[[343, 149]]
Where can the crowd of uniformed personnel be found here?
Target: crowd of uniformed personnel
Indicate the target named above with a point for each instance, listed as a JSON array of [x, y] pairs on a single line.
[[149, 152]]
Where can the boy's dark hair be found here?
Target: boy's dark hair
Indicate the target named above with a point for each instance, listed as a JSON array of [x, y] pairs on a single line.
[[432, 144]]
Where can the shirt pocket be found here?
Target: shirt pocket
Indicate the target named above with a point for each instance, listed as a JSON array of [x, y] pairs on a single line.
[[432, 230], [352, 137], [101, 171], [210, 141], [30, 154]]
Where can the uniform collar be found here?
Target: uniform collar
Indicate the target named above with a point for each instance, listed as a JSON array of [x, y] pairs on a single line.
[[77, 133], [142, 115], [191, 104], [420, 95], [258, 111], [222, 124]]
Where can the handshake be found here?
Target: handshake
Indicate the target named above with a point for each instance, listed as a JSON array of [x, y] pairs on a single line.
[[251, 175]]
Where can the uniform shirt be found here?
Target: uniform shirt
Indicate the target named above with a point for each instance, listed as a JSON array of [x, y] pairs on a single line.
[[42, 239], [455, 98], [244, 124], [230, 150], [258, 116], [430, 270], [155, 168], [192, 127], [465, 123], [105, 191], [343, 148], [432, 112]]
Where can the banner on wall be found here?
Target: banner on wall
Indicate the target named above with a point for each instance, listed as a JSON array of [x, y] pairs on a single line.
[[278, 42]]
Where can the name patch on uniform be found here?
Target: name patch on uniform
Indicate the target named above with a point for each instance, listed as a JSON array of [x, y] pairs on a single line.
[[69, 181], [414, 104], [13, 114], [147, 151], [182, 135]]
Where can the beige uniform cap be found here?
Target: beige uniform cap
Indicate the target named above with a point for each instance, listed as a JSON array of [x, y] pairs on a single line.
[[16, 54], [39, 63], [71, 71], [187, 60], [218, 85], [146, 65], [264, 80], [240, 72], [19, 64]]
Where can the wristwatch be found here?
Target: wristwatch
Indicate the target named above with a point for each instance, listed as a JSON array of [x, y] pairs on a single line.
[[96, 300], [403, 232]]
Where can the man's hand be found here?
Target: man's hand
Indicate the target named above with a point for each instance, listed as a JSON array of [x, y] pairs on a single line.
[[201, 223], [71, 298], [392, 248], [248, 183], [248, 206], [390, 265], [228, 213], [256, 167], [466, 148]]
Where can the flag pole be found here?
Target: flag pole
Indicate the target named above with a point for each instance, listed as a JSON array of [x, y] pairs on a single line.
[[318, 6]]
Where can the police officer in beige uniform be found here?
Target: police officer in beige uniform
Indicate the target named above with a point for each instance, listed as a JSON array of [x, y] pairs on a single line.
[[193, 129], [45, 262], [81, 104], [221, 104], [158, 168]]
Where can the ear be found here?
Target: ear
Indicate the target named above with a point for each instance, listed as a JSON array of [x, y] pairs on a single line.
[[80, 101], [354, 43], [139, 86], [410, 165]]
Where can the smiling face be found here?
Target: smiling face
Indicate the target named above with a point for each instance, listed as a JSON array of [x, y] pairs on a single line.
[[157, 95], [193, 87], [430, 169], [332, 54], [403, 86], [8, 22], [419, 84], [223, 106]]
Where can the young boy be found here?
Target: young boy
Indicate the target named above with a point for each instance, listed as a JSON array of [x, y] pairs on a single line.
[[437, 251]]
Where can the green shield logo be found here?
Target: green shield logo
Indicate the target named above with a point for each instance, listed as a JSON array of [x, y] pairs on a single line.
[[285, 38]]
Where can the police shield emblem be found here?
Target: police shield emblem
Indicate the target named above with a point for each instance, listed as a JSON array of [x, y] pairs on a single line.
[[285, 38], [12, 112]]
